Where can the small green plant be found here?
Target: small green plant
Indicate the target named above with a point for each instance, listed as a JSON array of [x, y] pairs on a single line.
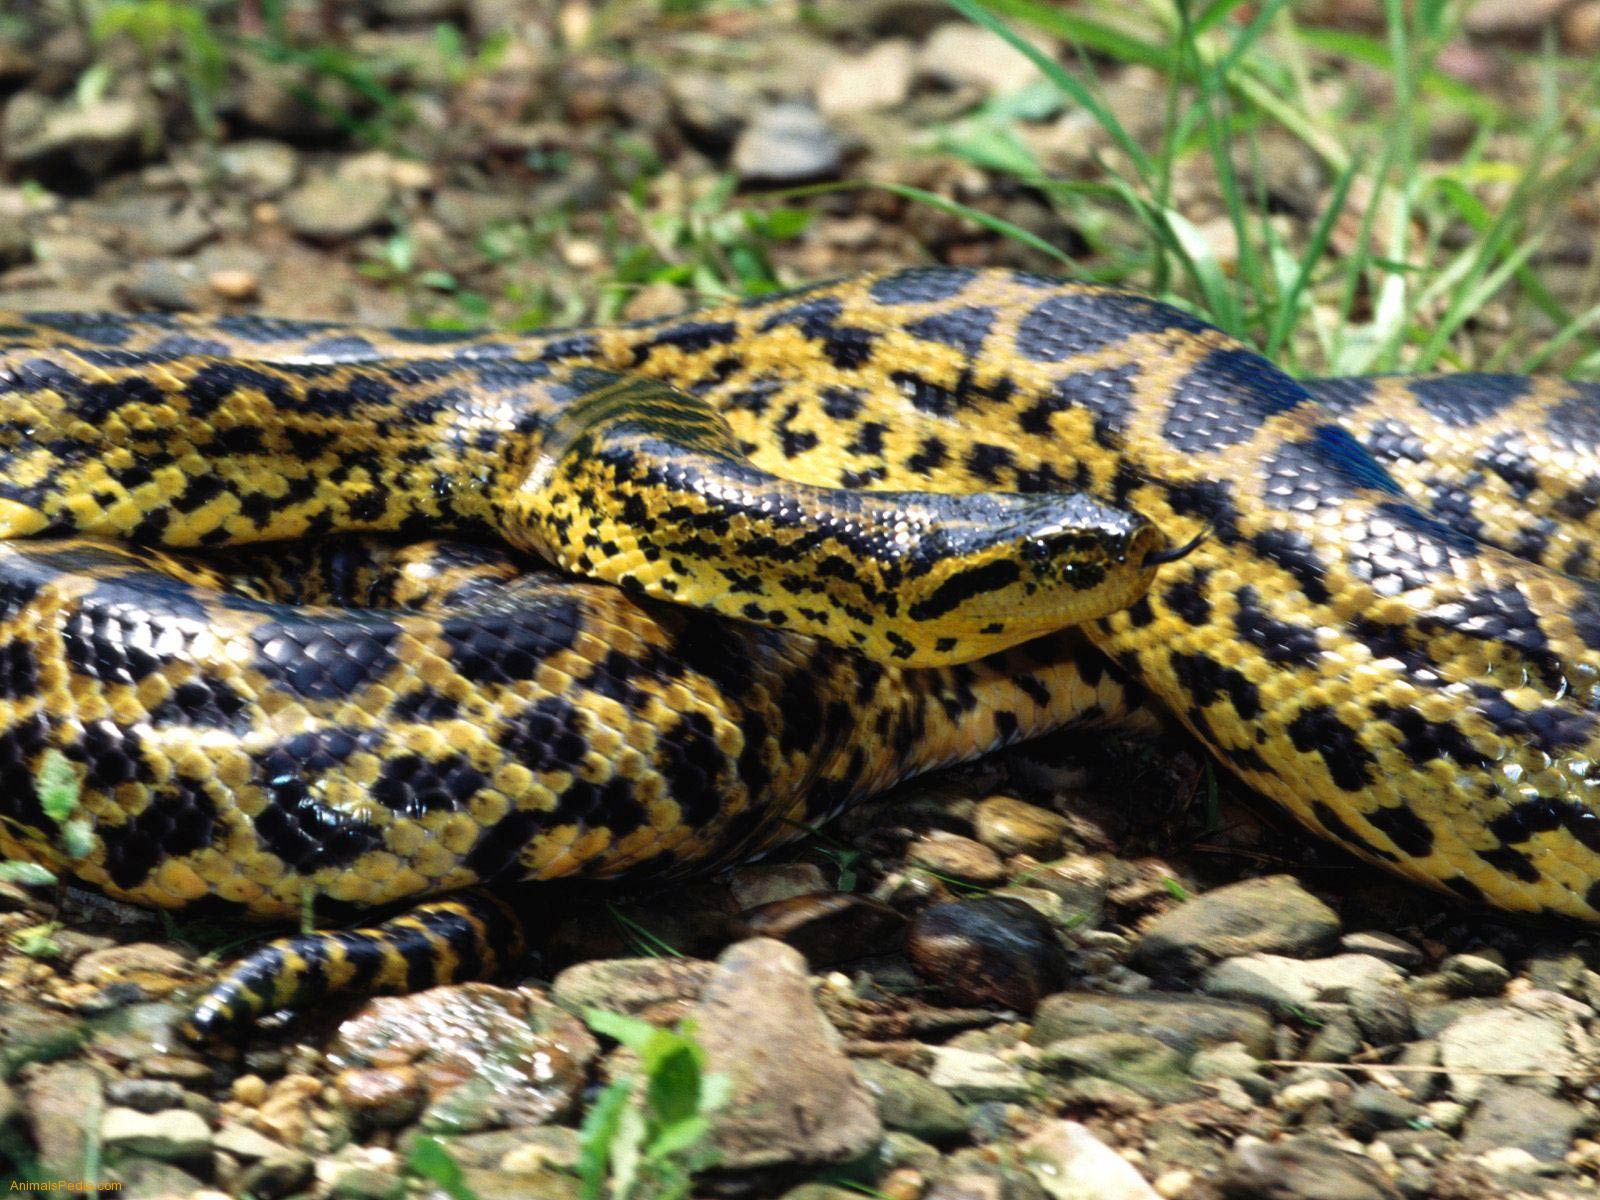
[[36, 941], [174, 38], [429, 1160], [644, 1138]]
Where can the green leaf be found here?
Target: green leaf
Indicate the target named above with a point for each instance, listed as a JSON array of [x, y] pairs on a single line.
[[633, 1032], [674, 1088], [429, 1159], [680, 1136], [596, 1135], [58, 786]]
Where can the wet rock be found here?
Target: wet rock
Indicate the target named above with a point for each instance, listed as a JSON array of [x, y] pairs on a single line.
[[85, 141], [786, 144], [145, 1095], [911, 1103], [171, 1135], [261, 169], [1382, 945], [1286, 984], [333, 208], [381, 1097], [1525, 1118], [1302, 1168], [1134, 1060], [1272, 915], [62, 1104], [1010, 827], [975, 1077], [658, 989], [993, 950], [959, 54], [1070, 1163], [833, 927], [1473, 975], [165, 286], [1186, 1023], [1371, 1109], [877, 79], [1505, 1039], [488, 1056], [766, 883], [795, 1098], [955, 857]]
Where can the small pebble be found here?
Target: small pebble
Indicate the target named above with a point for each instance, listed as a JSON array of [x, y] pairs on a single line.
[[956, 857]]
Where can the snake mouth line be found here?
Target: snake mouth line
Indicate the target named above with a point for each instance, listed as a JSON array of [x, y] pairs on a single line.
[[1173, 553]]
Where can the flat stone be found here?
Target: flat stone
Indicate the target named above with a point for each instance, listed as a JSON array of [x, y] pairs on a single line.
[[1272, 915], [1302, 1168], [787, 143], [1134, 1060], [880, 78], [658, 989], [1473, 975], [1186, 1023], [975, 1077], [1382, 945], [796, 1100], [172, 1135], [1009, 827], [1505, 1039], [1508, 1115], [62, 1102], [1286, 984], [910, 1102], [334, 208], [960, 54], [766, 883], [1070, 1163], [261, 169], [955, 857]]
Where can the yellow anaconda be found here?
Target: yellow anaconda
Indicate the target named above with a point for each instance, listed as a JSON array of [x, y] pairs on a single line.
[[874, 501]]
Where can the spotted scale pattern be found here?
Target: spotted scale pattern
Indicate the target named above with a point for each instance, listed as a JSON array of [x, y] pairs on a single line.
[[1363, 631]]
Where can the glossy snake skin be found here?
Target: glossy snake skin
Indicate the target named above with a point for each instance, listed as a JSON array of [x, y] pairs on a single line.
[[1403, 654]]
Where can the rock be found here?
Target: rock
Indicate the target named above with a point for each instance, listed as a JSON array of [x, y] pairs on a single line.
[[880, 78], [86, 141], [488, 1056], [164, 285], [1285, 984], [975, 1077], [712, 107], [1079, 881], [660, 990], [766, 883], [993, 950], [235, 284], [146, 1095], [333, 208], [1135, 1060], [1186, 1023], [1580, 28], [1382, 945], [1473, 975], [261, 169], [1233, 1062], [1505, 1039], [829, 928], [795, 1098], [911, 1103], [1382, 1014], [62, 1103], [1337, 1040], [1272, 915], [381, 1097], [1302, 1168], [1525, 1118], [955, 857], [1512, 19], [171, 1135], [787, 144], [1010, 827], [1371, 1109], [1070, 1163], [960, 54]]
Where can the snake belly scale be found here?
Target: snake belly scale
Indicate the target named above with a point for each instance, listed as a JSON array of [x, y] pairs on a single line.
[[1370, 599]]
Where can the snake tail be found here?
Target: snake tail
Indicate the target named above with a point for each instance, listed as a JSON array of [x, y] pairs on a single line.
[[472, 935]]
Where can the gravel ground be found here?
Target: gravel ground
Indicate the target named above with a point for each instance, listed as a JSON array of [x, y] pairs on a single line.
[[1068, 972]]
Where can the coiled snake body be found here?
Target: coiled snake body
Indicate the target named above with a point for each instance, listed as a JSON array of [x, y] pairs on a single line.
[[906, 518]]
